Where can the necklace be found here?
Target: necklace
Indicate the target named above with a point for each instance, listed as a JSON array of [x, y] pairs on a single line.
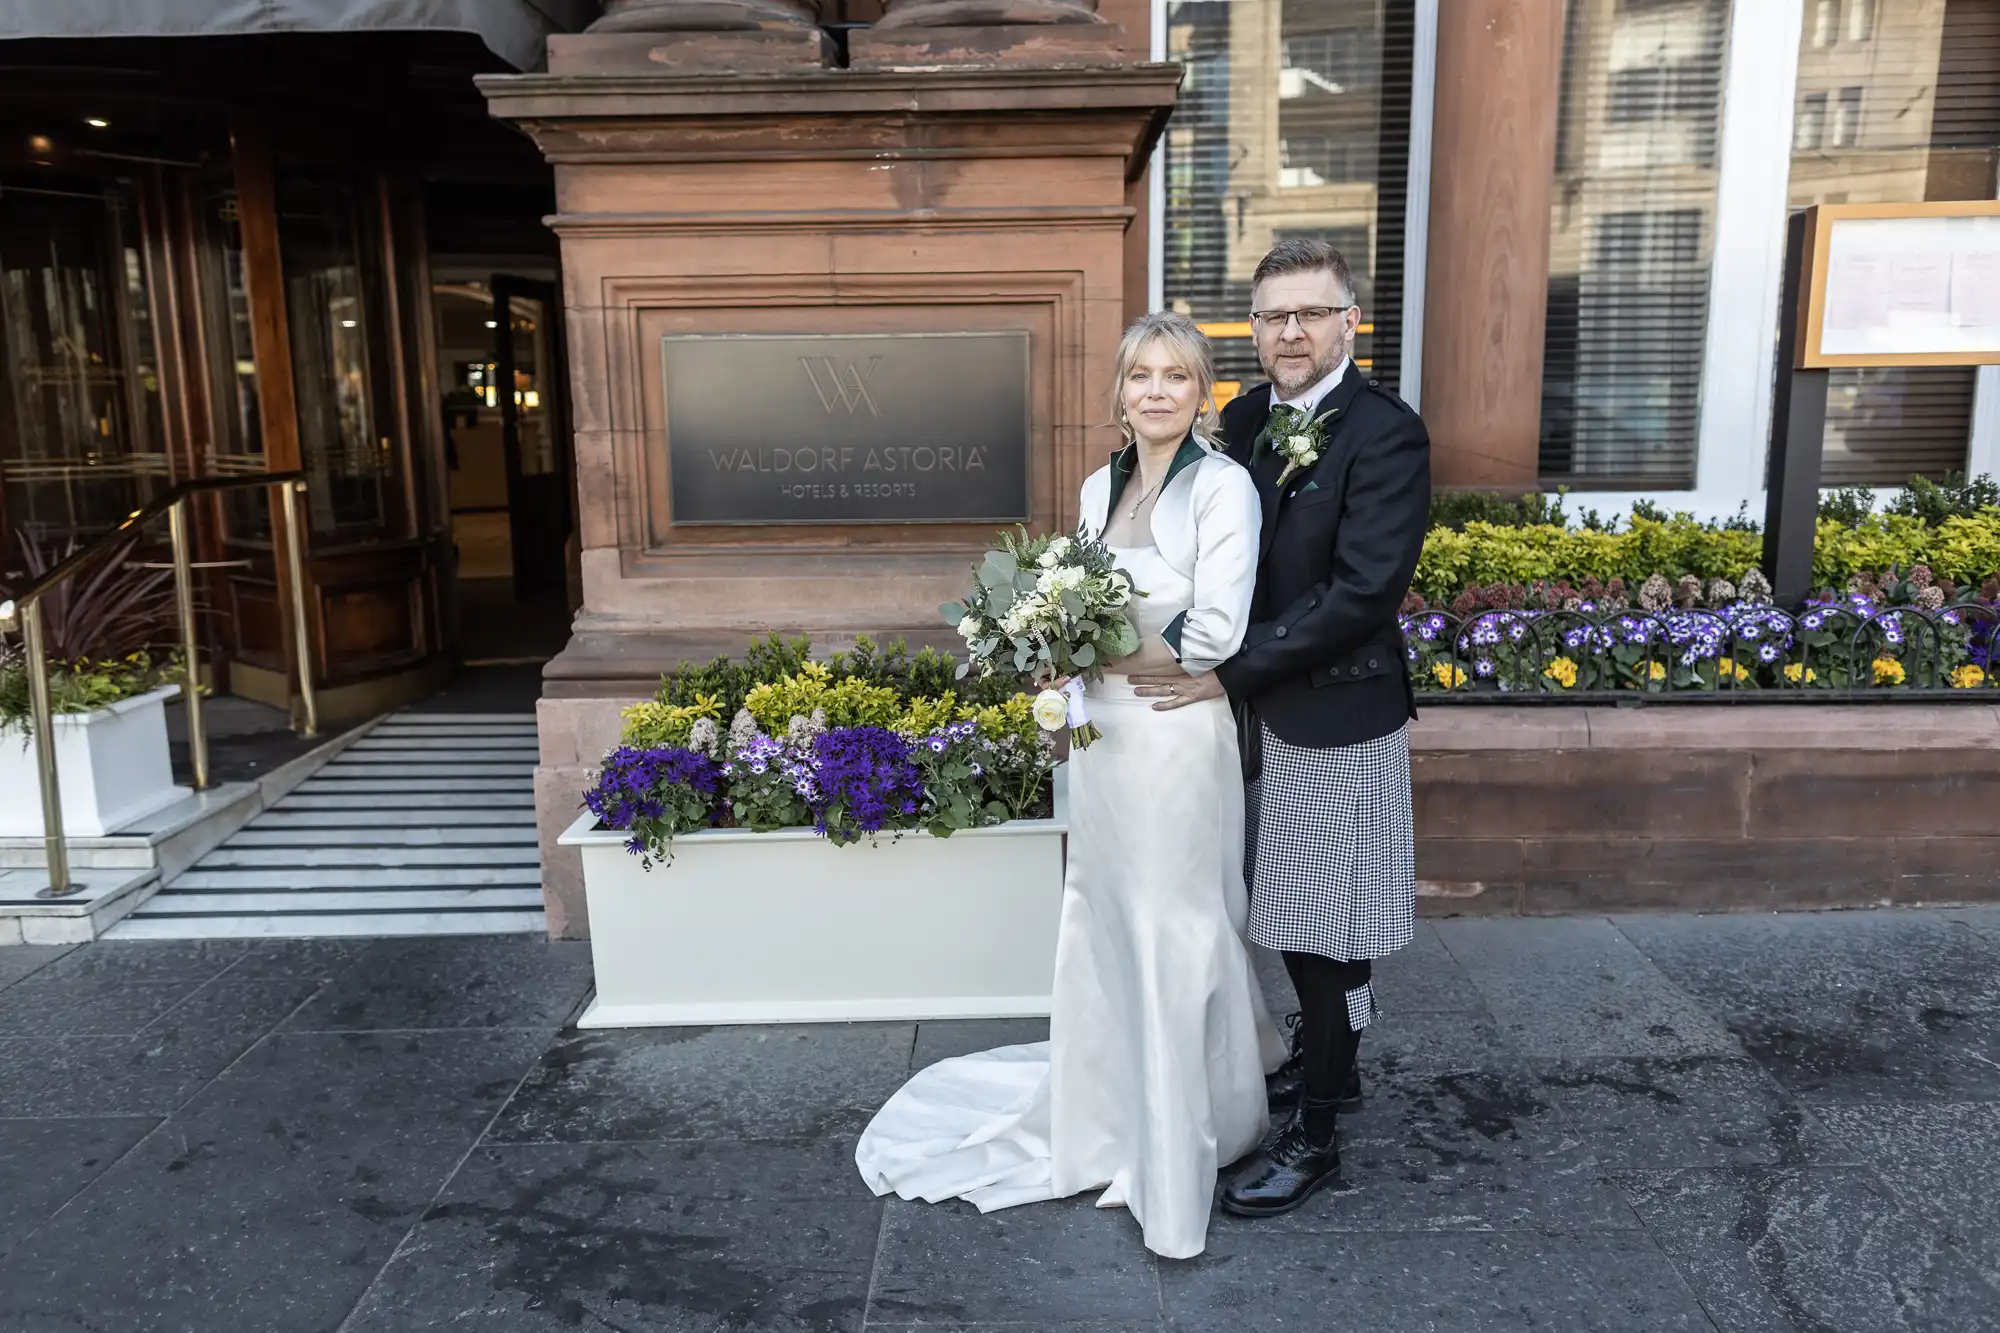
[[1133, 512]]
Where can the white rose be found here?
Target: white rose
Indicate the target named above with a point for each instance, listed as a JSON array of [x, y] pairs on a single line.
[[1051, 710], [1298, 446], [1021, 616], [1055, 582], [1059, 550], [968, 628]]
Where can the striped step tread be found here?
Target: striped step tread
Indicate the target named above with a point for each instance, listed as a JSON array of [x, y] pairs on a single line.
[[354, 877], [293, 925]]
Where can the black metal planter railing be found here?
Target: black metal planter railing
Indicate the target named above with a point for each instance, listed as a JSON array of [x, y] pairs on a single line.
[[1852, 650]]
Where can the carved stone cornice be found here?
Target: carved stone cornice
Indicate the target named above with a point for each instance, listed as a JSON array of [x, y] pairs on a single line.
[[672, 16], [986, 13], [695, 35]]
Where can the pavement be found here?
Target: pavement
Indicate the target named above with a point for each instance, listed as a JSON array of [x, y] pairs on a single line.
[[1744, 1123]]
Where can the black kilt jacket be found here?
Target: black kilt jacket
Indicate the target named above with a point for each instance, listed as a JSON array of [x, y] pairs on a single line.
[[1323, 663]]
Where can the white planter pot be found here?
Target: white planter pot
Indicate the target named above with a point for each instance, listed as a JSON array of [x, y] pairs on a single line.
[[787, 928], [112, 767]]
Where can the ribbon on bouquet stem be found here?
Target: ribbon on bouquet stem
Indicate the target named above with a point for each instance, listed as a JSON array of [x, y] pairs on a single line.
[[1081, 731]]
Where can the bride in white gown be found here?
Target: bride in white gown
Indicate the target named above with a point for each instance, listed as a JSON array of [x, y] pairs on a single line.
[[1153, 1075]]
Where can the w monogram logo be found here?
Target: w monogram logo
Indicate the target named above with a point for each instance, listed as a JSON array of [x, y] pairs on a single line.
[[842, 387]]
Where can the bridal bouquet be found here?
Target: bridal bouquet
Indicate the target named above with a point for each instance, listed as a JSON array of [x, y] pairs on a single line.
[[1048, 608]]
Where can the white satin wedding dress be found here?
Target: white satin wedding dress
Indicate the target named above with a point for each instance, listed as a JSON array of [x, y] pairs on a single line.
[[1153, 1074]]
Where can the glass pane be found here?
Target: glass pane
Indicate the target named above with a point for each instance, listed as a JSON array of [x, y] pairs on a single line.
[[475, 449], [1896, 105], [339, 369], [1293, 121], [1631, 231], [81, 438], [528, 326], [236, 440]]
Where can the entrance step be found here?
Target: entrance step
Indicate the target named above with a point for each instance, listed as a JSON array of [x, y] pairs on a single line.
[[116, 873], [424, 826]]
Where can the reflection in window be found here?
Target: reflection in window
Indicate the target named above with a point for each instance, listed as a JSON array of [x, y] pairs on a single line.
[[1293, 121], [1847, 118], [332, 284], [235, 445], [1631, 234], [1860, 20], [1825, 23], [81, 438], [1809, 131], [1925, 81]]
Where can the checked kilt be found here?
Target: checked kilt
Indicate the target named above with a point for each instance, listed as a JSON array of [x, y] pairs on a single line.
[[1330, 853]]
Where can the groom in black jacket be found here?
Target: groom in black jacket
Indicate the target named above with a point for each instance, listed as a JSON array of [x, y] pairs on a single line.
[[1322, 693]]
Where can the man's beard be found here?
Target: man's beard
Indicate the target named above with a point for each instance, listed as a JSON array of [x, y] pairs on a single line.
[[1320, 370]]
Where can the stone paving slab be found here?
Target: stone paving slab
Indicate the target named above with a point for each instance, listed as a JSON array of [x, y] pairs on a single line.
[[1728, 1123]]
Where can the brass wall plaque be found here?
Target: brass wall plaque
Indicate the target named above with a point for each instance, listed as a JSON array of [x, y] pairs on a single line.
[[848, 428]]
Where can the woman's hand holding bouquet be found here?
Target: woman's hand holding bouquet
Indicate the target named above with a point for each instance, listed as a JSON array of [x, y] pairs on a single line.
[[1049, 609]]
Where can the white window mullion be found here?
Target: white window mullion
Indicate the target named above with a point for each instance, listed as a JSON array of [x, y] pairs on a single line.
[[1982, 453], [1754, 173], [1156, 188], [1417, 205]]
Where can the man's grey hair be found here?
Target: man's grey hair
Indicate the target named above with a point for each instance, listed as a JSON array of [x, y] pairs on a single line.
[[1305, 254]]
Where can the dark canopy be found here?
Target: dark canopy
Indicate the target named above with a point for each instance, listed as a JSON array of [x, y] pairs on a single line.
[[513, 29]]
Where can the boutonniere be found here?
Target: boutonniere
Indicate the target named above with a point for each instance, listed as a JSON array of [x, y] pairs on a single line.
[[1301, 442]]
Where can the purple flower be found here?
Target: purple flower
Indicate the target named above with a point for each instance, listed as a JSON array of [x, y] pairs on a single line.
[[635, 783], [862, 779]]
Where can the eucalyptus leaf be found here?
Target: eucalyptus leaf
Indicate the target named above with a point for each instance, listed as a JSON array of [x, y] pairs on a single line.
[[1119, 638], [953, 612], [1083, 655]]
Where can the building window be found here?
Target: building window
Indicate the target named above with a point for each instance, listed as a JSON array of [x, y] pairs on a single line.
[[1930, 74], [1632, 230], [1847, 118], [334, 283], [1860, 20], [1293, 121], [82, 438], [1809, 130], [1825, 27]]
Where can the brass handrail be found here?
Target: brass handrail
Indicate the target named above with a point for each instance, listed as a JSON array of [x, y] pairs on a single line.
[[25, 612]]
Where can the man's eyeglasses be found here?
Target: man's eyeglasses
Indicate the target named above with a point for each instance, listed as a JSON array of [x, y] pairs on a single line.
[[1310, 318]]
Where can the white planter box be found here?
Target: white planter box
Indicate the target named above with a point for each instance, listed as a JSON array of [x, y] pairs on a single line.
[[112, 766], [787, 928]]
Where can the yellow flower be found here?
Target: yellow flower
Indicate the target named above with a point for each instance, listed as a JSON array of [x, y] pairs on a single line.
[[1656, 670], [1968, 677], [1729, 668], [1888, 671], [1798, 673], [1448, 674], [1563, 671]]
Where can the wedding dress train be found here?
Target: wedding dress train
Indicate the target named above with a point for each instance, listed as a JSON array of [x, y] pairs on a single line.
[[1153, 1075]]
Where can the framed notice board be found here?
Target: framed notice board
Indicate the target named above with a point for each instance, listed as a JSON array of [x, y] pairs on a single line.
[[1900, 285]]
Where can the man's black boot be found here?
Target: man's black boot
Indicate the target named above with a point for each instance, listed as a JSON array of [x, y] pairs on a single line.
[[1285, 1085], [1284, 1173]]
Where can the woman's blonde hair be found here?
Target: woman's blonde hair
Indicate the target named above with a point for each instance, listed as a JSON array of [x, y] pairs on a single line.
[[1188, 345]]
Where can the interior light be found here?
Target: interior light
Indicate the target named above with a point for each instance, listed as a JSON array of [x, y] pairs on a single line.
[[347, 323], [97, 122], [492, 323]]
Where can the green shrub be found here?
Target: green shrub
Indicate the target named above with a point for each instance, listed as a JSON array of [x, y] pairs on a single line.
[[82, 687], [1935, 503]]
